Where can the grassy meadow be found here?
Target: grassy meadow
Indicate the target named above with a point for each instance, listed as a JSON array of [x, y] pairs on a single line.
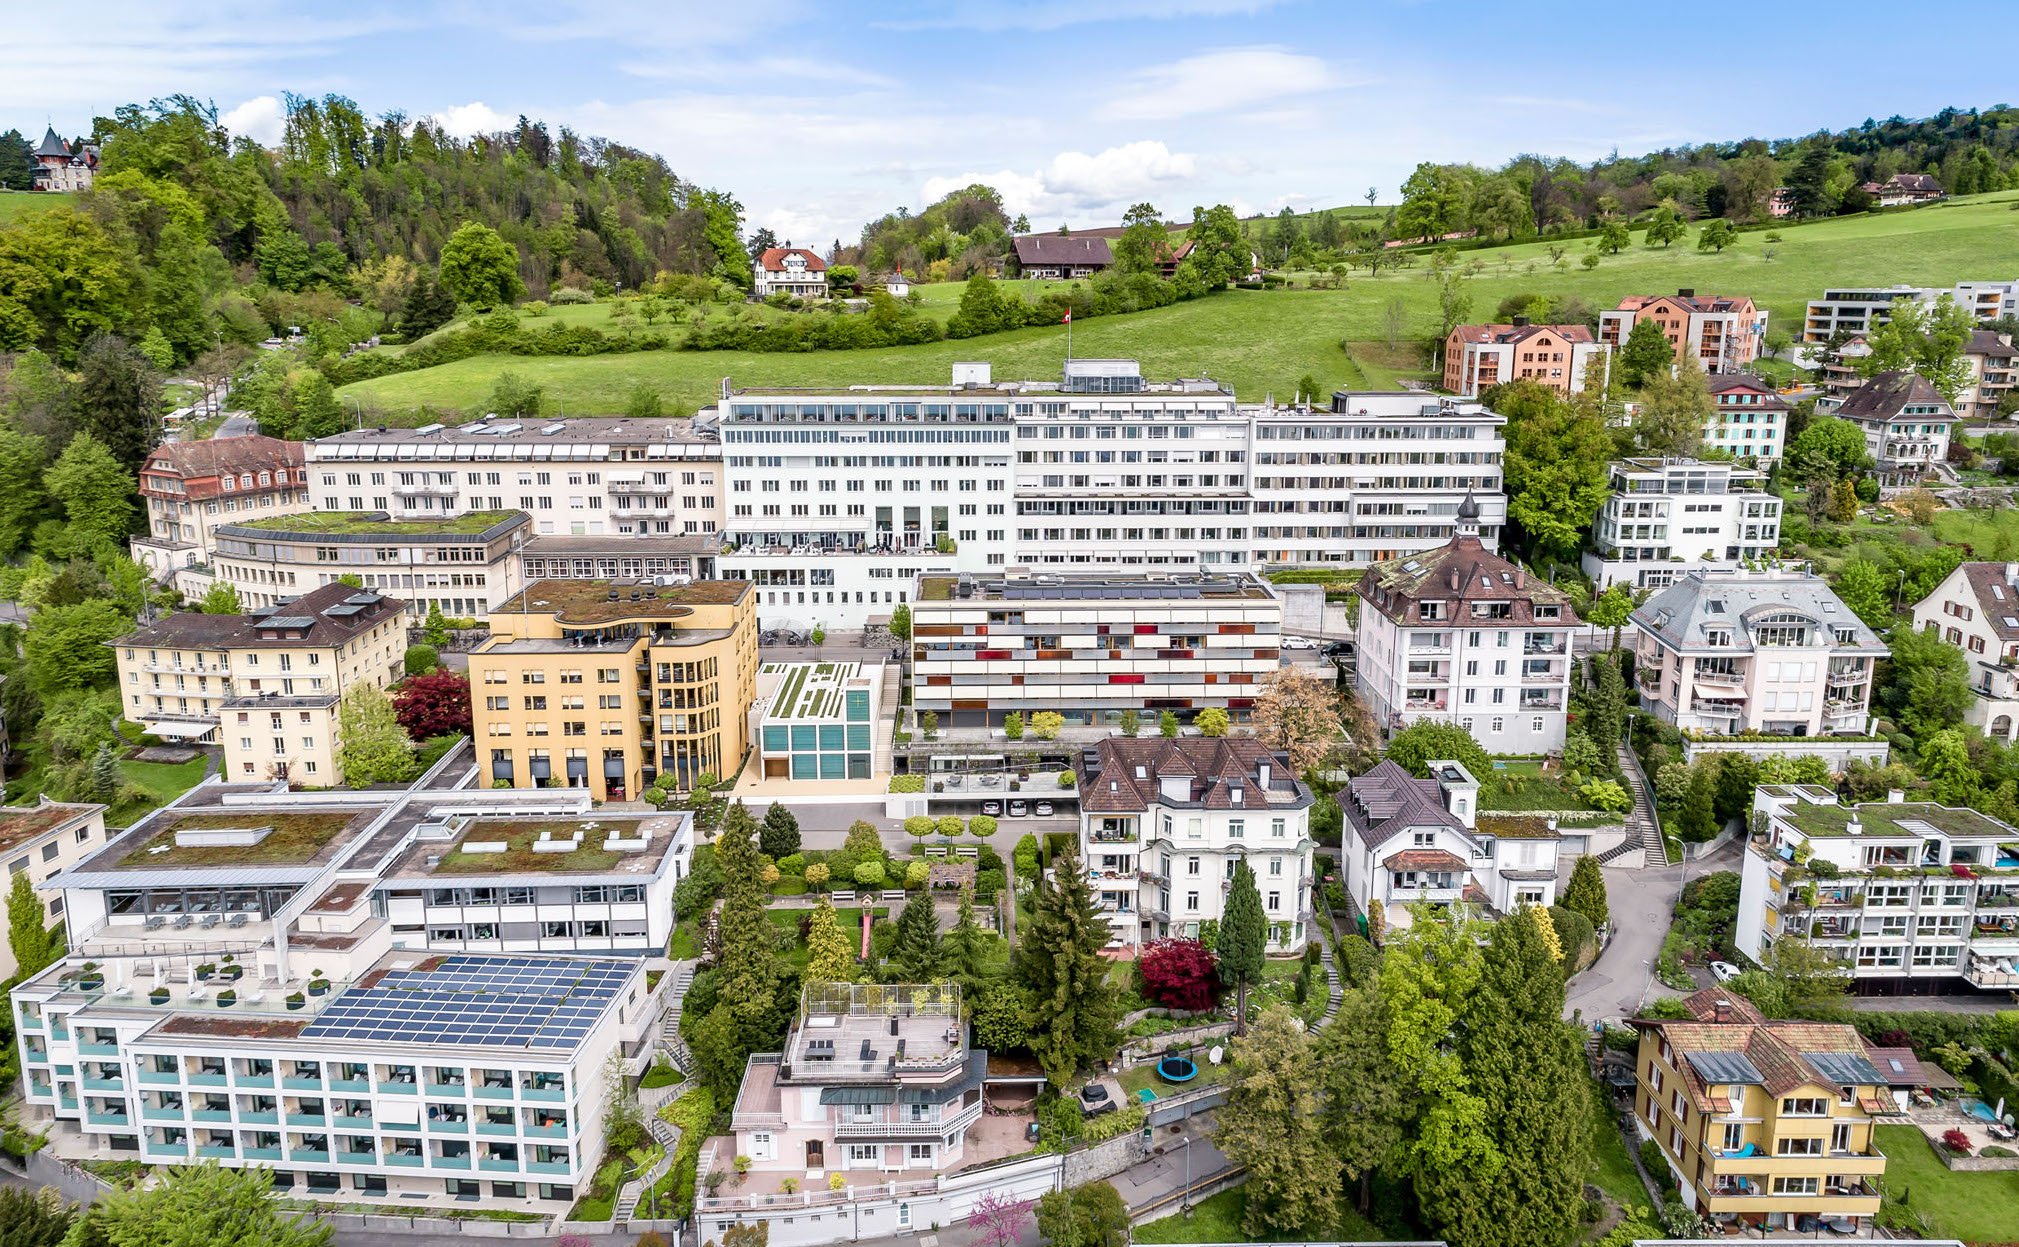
[[1261, 342], [15, 205]]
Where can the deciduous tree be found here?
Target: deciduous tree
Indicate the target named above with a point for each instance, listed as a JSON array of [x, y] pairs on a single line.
[[436, 704], [28, 936], [1299, 714], [1674, 411], [479, 267], [372, 748], [1179, 974], [1085, 1216], [199, 1205], [1645, 352], [1415, 747], [1557, 457], [1863, 588], [220, 599], [95, 492]]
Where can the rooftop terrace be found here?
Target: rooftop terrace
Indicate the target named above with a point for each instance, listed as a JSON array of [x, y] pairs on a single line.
[[591, 601], [379, 524], [1052, 586], [877, 1031]]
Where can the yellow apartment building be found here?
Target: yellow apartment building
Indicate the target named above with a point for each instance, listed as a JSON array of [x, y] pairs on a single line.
[[264, 686], [1768, 1124], [607, 685], [42, 841]]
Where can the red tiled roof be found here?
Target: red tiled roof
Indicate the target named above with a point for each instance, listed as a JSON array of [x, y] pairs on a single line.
[[1572, 334], [201, 464], [1424, 859], [772, 259], [1127, 774]]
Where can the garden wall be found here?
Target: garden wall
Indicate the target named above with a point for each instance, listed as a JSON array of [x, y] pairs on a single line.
[[1838, 752], [906, 1208]]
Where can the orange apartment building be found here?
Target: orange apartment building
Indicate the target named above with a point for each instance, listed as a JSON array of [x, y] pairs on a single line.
[[1479, 357], [1722, 333]]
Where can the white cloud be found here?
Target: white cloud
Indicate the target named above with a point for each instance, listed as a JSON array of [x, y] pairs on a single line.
[[1218, 82], [1096, 186], [475, 117], [995, 15], [259, 119]]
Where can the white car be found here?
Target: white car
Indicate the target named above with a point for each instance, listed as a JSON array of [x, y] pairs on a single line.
[[1043, 809], [1299, 642], [1724, 971]]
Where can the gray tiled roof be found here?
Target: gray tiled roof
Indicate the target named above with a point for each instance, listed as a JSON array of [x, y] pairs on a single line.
[[1680, 615]]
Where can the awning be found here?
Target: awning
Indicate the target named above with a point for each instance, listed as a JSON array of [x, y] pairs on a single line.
[[501, 769], [179, 729], [542, 769], [613, 768], [858, 1095]]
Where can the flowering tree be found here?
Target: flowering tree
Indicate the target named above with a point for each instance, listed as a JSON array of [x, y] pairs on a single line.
[[998, 1220], [1180, 974], [433, 705]]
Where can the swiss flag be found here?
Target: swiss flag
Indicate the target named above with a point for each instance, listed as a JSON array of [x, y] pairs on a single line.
[[1069, 317]]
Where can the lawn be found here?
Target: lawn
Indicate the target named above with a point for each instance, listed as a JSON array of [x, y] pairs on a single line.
[[17, 204], [162, 781], [1218, 1220], [1261, 342], [1615, 1173], [787, 921], [1975, 1207], [294, 840], [1517, 785], [1137, 1077]]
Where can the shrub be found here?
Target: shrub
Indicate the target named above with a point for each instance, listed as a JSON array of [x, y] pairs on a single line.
[[1180, 974], [793, 863], [422, 659], [907, 783], [1956, 1141], [570, 294], [1067, 779], [915, 873], [988, 884], [870, 874], [1996, 1151], [1025, 857]]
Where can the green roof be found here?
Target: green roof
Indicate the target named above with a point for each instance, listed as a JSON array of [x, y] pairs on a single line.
[[375, 523], [296, 840], [1886, 818]]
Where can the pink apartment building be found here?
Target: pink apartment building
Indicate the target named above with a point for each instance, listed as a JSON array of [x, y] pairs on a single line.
[[1721, 332]]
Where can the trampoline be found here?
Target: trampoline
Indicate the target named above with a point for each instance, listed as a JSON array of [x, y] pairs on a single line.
[[1175, 1068]]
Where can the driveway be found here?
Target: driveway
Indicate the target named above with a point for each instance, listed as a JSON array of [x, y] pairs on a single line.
[[1642, 900]]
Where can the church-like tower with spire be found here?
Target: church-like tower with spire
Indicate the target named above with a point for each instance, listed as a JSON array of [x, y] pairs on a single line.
[[58, 168], [1460, 635]]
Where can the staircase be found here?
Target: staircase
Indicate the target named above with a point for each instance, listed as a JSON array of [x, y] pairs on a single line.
[[1641, 832], [1335, 991], [670, 1042], [880, 761], [665, 1135]]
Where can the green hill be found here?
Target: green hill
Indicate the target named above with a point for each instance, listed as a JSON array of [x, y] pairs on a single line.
[[1263, 341], [17, 204]]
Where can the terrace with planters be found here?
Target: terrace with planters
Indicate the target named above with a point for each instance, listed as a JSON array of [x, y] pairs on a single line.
[[497, 846]]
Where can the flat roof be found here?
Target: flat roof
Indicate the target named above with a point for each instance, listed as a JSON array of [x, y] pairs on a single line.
[[589, 601], [379, 524], [298, 838], [544, 1003], [813, 692], [1886, 818], [571, 429], [21, 824], [620, 545], [1055, 586], [519, 857]]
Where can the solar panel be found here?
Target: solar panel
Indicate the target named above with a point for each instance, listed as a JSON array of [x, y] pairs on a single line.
[[1845, 1068], [343, 610], [287, 621], [1725, 1067], [524, 1002]]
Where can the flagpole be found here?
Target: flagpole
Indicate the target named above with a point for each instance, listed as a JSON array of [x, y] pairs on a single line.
[[1069, 335]]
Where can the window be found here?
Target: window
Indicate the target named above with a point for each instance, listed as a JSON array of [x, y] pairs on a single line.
[[1798, 1147], [1795, 1186], [1805, 1106]]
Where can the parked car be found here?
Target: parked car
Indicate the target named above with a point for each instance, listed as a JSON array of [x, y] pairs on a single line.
[[1018, 809], [1724, 970], [991, 808], [1044, 809], [1299, 642]]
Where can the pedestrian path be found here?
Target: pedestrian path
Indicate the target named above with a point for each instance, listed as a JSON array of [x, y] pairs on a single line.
[[670, 1041], [1641, 833]]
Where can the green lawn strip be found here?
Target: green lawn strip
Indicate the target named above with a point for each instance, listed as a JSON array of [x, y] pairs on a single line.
[[1218, 1220], [1975, 1207], [1263, 341], [1614, 1172]]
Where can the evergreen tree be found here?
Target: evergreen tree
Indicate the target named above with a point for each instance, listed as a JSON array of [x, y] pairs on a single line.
[[1366, 1105], [1244, 935], [1272, 1125], [830, 957], [104, 775], [1605, 709], [32, 943], [1645, 353], [1699, 820], [118, 398], [1586, 892], [748, 963], [1058, 959], [779, 836], [966, 948], [915, 955], [1527, 1067], [427, 307]]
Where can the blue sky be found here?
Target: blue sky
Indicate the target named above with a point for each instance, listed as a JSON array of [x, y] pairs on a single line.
[[821, 116]]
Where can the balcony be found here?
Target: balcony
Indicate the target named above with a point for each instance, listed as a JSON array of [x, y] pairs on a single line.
[[405, 1160], [1423, 706], [491, 1164], [106, 1119], [1724, 679], [1553, 646], [558, 1131], [1760, 1168], [547, 1094], [428, 489], [261, 1153], [167, 1151], [1551, 676], [547, 1166], [496, 1129], [450, 1162]]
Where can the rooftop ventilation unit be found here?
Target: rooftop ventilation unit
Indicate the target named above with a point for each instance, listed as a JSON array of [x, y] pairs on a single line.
[[430, 428]]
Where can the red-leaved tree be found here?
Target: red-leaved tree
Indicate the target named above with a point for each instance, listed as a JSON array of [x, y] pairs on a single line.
[[1180, 974], [997, 1220], [433, 705]]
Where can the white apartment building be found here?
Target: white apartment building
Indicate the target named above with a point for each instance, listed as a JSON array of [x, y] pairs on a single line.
[[1910, 896], [1411, 841], [42, 841], [580, 477], [1664, 515], [1976, 609], [1857, 311], [1379, 476], [465, 564], [1460, 635], [1091, 647], [1906, 423], [1163, 823], [258, 977], [1725, 653]]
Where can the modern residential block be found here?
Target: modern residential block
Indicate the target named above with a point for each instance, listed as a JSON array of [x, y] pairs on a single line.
[[1906, 422], [1090, 647], [1772, 651], [464, 565], [190, 488], [1722, 333], [1664, 515], [1766, 1123], [590, 684], [1163, 822], [1976, 609], [873, 1077], [1413, 841], [1460, 635], [265, 685], [1479, 357], [819, 720], [1858, 311]]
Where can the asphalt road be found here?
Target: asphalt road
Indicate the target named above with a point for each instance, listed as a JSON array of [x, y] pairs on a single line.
[[1642, 900]]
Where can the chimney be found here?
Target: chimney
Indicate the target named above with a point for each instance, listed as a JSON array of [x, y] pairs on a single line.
[[1520, 578], [1686, 294], [1262, 775], [1521, 322], [1453, 578], [2012, 573], [1722, 1011]]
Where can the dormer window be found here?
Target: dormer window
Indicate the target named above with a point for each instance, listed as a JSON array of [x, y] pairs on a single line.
[[1430, 612]]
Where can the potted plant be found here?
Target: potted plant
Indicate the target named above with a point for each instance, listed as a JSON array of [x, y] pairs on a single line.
[[159, 996], [227, 998], [88, 977], [296, 1000], [317, 984], [789, 1186], [231, 970], [206, 970]]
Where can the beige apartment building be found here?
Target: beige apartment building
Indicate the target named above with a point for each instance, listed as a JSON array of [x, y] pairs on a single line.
[[465, 564], [605, 686], [264, 685], [42, 841], [1479, 357]]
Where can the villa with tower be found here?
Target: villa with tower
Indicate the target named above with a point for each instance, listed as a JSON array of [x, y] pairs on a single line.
[[59, 168]]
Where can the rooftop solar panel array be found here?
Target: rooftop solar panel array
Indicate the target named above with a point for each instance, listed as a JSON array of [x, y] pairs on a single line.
[[1725, 1067], [1848, 1069], [506, 1002]]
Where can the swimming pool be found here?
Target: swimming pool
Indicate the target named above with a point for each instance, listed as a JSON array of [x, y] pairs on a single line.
[[1977, 1108]]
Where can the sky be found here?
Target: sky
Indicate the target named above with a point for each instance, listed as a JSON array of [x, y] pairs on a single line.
[[822, 116]]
